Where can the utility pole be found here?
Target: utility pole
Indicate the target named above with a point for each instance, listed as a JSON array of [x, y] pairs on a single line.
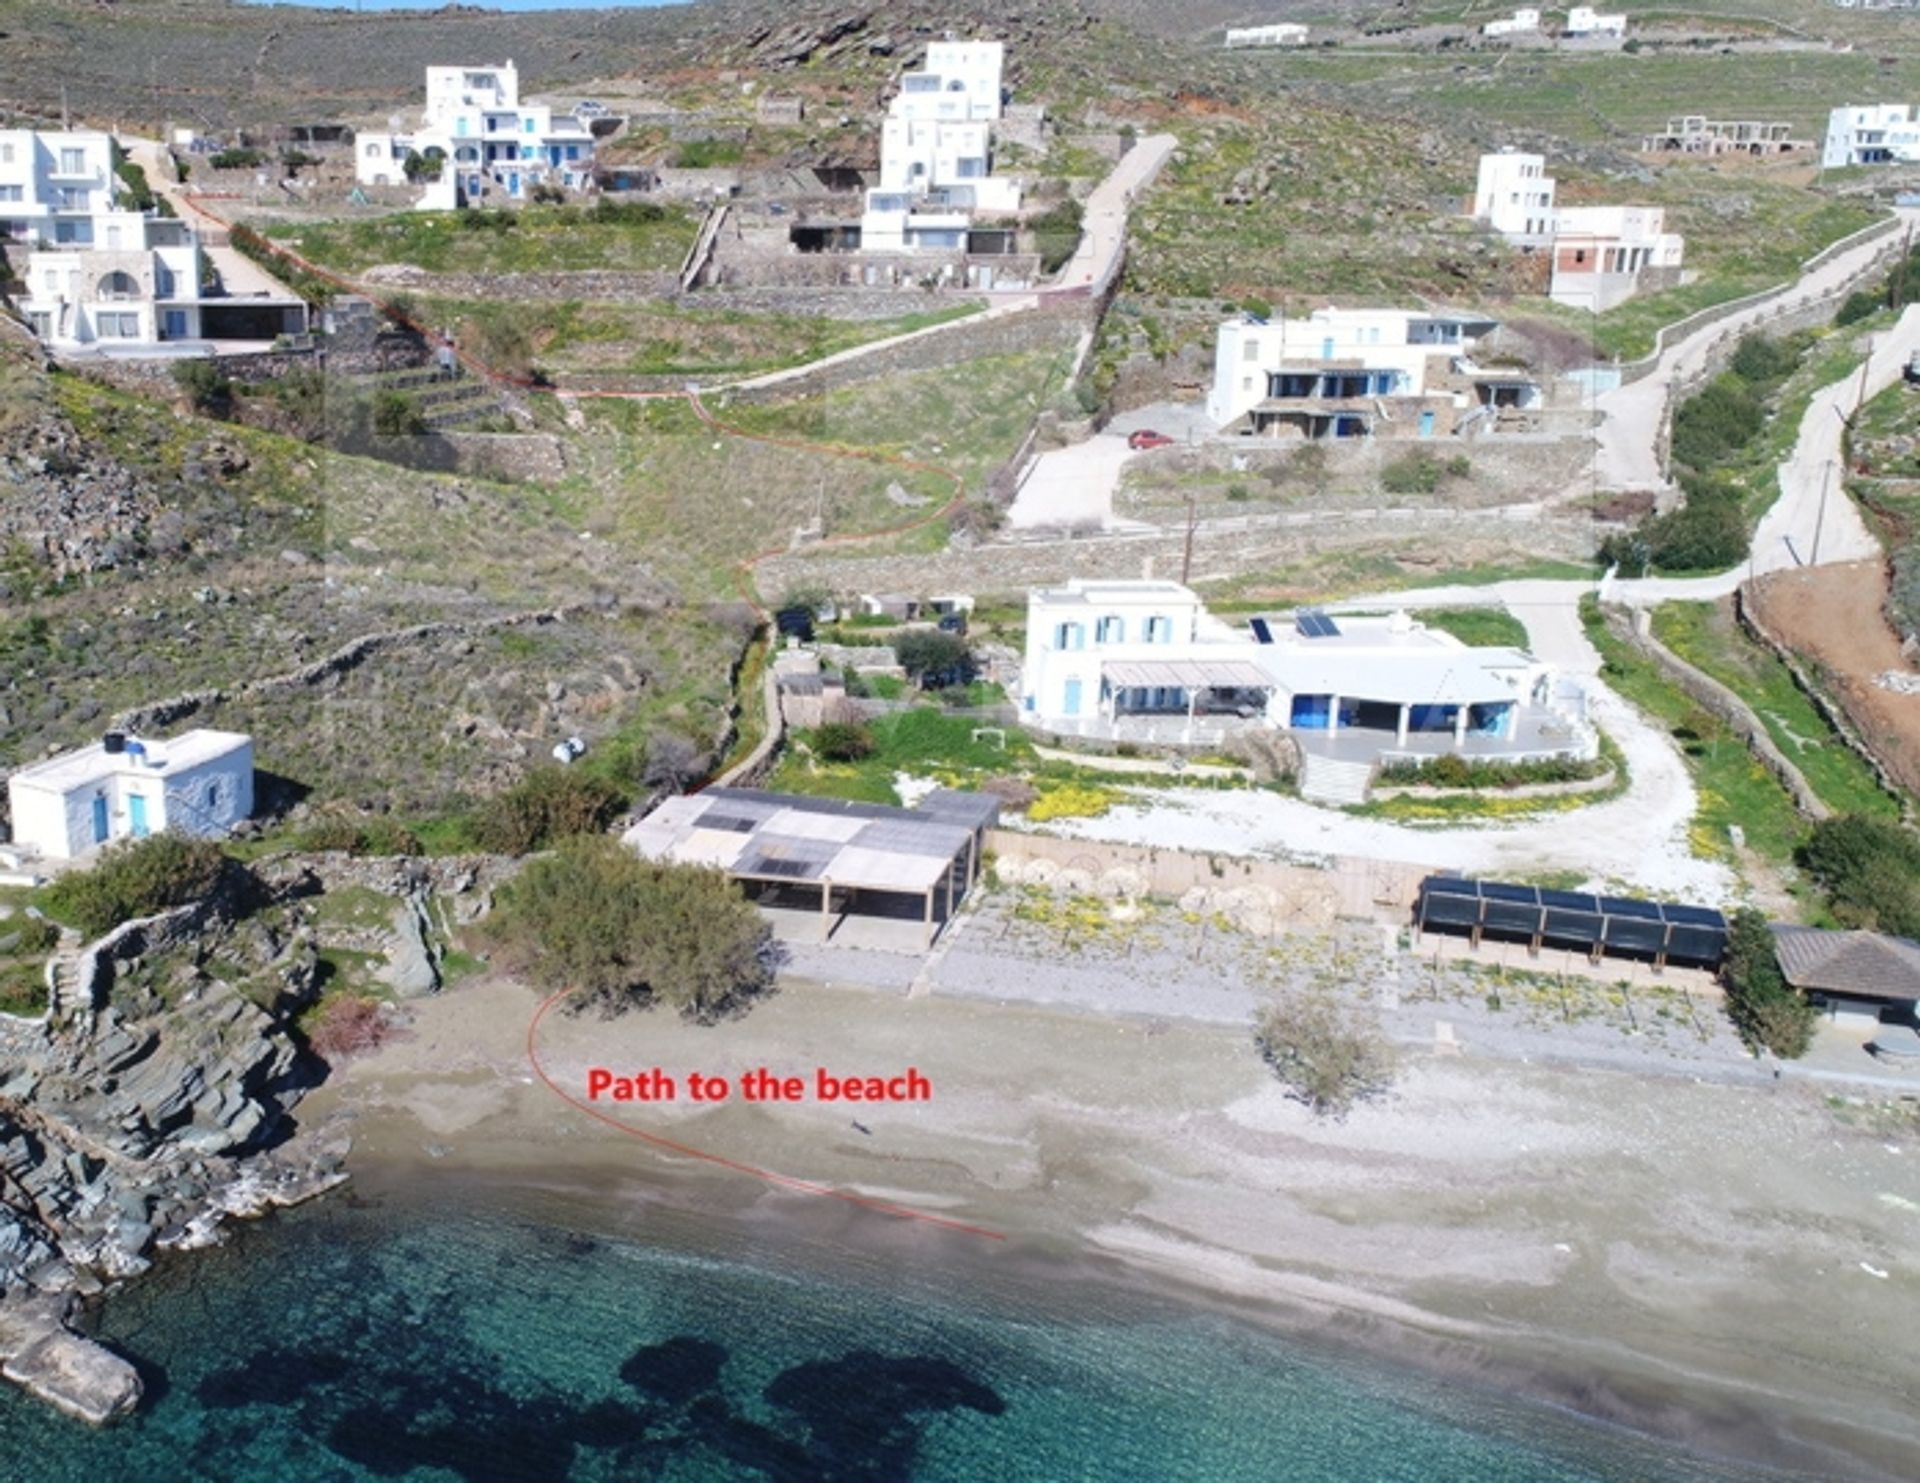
[[1186, 558], [1820, 514]]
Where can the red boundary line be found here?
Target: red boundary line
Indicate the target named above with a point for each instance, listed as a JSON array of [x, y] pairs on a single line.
[[769, 1176]]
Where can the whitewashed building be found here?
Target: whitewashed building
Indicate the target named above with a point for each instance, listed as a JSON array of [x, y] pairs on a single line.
[[1350, 373], [1513, 194], [1584, 20], [491, 145], [1284, 33], [1871, 134], [1601, 255], [1145, 661], [1520, 23], [936, 153], [121, 787]]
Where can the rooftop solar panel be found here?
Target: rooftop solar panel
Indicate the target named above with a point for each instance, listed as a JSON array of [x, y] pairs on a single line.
[[1626, 906], [1570, 900], [732, 822], [1699, 916], [1502, 891], [1262, 634], [1450, 885]]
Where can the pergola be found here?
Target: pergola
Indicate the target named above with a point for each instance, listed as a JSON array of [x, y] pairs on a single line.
[[840, 847]]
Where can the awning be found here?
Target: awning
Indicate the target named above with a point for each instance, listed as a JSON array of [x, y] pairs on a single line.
[[1188, 674]]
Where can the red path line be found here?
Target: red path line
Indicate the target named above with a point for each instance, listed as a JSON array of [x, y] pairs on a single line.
[[782, 1181]]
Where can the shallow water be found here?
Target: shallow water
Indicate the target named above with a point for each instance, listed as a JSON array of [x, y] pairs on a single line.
[[443, 1329]]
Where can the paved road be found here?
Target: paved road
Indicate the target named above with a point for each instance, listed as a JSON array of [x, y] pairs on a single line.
[[1627, 454], [1103, 235], [241, 276]]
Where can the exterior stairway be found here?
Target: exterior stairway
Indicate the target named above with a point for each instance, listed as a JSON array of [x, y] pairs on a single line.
[[1332, 781]]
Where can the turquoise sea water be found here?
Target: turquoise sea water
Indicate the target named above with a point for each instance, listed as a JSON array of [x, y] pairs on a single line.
[[453, 1331]]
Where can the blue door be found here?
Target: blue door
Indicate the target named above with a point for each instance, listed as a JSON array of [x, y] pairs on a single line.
[[1071, 703], [176, 325], [100, 819], [137, 816], [1326, 348], [1426, 424]]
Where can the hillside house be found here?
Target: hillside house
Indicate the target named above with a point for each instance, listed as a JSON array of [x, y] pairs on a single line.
[[123, 787], [102, 277], [1694, 134], [1354, 373], [1144, 661], [1871, 134], [936, 155], [492, 147], [1584, 20], [1520, 23], [1285, 33], [1601, 255]]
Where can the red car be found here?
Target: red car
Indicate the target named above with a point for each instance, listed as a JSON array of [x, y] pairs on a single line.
[[1147, 438]]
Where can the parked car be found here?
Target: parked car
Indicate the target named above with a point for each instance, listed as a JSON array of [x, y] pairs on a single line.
[[1147, 438], [952, 623]]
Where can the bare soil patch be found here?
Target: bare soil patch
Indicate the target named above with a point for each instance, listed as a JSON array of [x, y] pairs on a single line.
[[1836, 617]]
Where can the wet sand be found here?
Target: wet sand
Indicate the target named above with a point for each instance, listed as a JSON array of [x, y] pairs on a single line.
[[1693, 1260]]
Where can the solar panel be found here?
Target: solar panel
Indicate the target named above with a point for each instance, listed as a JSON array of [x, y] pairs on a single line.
[[1449, 885], [1262, 634], [1315, 624], [785, 869], [732, 822]]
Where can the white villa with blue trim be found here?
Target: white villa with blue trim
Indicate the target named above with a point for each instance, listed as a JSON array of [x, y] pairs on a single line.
[[123, 787], [1145, 661], [493, 145]]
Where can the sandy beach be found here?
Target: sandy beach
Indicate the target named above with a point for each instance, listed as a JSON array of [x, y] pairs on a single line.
[[1727, 1265]]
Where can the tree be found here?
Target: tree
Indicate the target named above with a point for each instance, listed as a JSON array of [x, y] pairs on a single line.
[[139, 878], [1766, 1010], [397, 415], [843, 741], [205, 384], [932, 657], [418, 167], [672, 762], [1871, 869], [620, 930], [544, 807], [1329, 1054]]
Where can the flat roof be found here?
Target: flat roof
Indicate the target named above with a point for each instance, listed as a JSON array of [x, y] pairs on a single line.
[[1117, 590], [1190, 674], [754, 835], [94, 763]]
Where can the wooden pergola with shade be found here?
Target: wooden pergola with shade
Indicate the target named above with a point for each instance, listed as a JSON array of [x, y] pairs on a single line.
[[931, 852]]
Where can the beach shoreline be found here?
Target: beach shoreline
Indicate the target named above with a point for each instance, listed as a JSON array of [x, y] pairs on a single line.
[[1470, 1226]]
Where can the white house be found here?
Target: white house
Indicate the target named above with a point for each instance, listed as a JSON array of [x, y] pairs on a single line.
[[1285, 33], [1520, 23], [936, 153], [199, 783], [1514, 195], [1344, 373], [1144, 660], [1584, 20], [491, 144], [1871, 134], [1602, 255]]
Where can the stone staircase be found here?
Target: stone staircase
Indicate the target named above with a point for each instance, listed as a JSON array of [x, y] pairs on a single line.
[[1333, 781]]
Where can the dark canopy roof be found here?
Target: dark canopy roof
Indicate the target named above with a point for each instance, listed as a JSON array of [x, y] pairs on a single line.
[[1865, 965]]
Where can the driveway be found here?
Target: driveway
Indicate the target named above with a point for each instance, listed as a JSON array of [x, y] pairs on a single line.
[[240, 276], [1103, 227], [1072, 488]]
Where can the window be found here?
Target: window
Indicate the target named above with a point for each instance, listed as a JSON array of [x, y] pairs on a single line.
[[527, 124], [1160, 629], [41, 323], [373, 151], [6, 154], [1110, 630], [52, 280], [117, 286], [213, 795], [1250, 348], [73, 162], [1069, 636], [117, 326], [69, 199], [10, 193]]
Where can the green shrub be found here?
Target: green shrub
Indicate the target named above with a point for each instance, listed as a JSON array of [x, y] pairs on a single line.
[[138, 878], [340, 833], [621, 930], [544, 807], [1766, 1010], [932, 657], [1871, 870], [843, 741], [205, 384], [1056, 234], [1330, 1054], [236, 159], [1716, 422]]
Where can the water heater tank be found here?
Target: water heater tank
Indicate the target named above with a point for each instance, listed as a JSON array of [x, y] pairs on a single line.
[[114, 743]]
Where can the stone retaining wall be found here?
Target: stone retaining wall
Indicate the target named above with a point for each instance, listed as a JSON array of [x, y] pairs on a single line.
[[599, 286], [1718, 700]]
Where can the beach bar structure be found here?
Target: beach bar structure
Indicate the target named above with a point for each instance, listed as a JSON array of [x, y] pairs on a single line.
[[1689, 936], [837, 850]]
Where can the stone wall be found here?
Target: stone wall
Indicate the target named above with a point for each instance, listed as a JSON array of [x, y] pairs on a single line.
[[513, 458], [1298, 894], [599, 286]]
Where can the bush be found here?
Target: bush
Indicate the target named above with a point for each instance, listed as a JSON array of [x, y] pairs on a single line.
[[137, 878], [672, 762], [597, 918], [843, 741], [397, 415], [236, 159], [341, 834], [344, 1025], [206, 386], [1871, 870], [1766, 1010], [1056, 235], [933, 658], [1716, 422], [543, 808], [1330, 1055], [1422, 473]]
